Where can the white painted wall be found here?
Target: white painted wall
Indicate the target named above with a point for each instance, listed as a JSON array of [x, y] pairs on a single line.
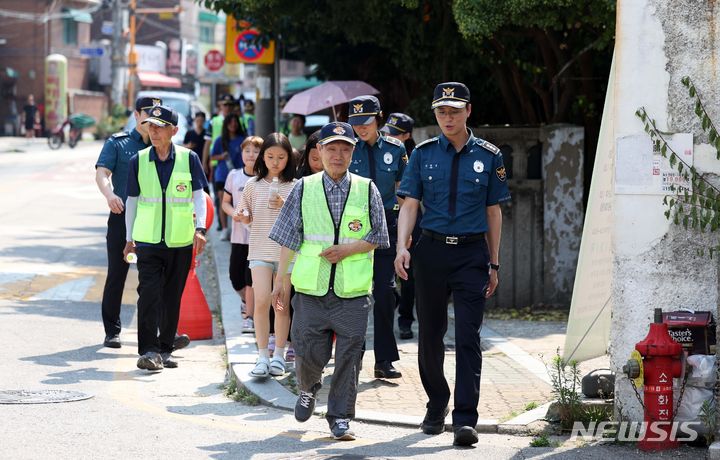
[[656, 264]]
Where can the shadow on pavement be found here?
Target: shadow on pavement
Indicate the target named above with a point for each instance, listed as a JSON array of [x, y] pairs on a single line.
[[79, 355], [292, 444], [55, 253], [88, 311], [93, 374]]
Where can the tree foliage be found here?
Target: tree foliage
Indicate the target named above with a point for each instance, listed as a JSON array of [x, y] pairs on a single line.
[[525, 61]]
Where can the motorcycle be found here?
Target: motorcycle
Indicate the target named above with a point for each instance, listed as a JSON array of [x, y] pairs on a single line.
[[77, 123]]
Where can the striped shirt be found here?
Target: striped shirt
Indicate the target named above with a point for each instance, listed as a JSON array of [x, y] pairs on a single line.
[[288, 230], [255, 198]]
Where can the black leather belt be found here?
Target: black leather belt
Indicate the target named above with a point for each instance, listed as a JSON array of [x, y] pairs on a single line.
[[454, 240]]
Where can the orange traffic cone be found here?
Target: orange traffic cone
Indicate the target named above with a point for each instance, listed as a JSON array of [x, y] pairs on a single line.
[[195, 317]]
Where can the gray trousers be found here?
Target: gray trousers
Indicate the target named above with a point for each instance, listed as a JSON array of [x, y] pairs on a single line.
[[314, 322]]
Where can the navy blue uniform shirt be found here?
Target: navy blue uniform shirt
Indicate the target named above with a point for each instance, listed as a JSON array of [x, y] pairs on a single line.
[[164, 169], [455, 187], [115, 156], [383, 162]]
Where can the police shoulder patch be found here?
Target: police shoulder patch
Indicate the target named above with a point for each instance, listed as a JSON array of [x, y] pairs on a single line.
[[427, 142], [488, 146], [394, 141], [121, 134]]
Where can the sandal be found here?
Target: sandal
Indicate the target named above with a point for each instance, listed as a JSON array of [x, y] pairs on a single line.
[[262, 368], [277, 366]]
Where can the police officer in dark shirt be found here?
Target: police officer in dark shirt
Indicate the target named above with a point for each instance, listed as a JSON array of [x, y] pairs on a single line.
[[460, 180], [383, 160], [400, 126], [111, 172]]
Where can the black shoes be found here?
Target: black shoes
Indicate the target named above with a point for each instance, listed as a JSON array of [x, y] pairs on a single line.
[[181, 341], [150, 361], [168, 360], [341, 430], [385, 370], [406, 333], [465, 436], [434, 421], [112, 341]]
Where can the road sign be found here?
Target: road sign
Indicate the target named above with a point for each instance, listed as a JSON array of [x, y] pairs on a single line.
[[92, 52], [240, 45], [214, 60]]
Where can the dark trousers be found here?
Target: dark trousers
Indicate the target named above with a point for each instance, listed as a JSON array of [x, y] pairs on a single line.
[[162, 273], [116, 274], [385, 346], [407, 287], [463, 270]]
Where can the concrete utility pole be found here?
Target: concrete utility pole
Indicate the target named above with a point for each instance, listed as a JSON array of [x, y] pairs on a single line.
[[265, 104], [118, 54]]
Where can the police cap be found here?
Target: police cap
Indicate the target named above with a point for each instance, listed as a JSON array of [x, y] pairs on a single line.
[[161, 115], [146, 102], [336, 131], [398, 123], [452, 94], [363, 109]]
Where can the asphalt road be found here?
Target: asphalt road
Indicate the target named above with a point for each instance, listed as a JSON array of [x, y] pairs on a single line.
[[52, 261]]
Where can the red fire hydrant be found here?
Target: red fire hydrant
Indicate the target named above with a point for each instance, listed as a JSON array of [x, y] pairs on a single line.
[[661, 363]]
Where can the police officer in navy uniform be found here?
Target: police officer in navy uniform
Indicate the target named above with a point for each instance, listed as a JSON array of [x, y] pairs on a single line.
[[400, 126], [461, 181], [111, 172], [383, 160]]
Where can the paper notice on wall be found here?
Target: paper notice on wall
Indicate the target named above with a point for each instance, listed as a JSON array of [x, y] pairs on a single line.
[[640, 169]]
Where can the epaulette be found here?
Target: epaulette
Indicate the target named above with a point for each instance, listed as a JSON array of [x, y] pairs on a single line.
[[487, 146], [120, 135], [427, 141], [393, 141]]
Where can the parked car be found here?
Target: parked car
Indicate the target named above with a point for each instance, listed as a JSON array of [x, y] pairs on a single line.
[[184, 104]]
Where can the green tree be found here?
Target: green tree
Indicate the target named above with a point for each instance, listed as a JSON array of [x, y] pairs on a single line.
[[525, 61]]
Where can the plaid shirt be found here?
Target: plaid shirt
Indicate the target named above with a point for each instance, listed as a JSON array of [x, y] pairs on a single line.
[[288, 228]]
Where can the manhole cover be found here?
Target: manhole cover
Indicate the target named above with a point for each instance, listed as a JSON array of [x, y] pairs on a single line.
[[40, 396]]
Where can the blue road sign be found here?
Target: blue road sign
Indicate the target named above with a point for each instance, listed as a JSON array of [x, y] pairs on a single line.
[[92, 52]]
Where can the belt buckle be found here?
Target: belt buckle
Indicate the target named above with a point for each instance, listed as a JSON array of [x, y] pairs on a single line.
[[451, 240]]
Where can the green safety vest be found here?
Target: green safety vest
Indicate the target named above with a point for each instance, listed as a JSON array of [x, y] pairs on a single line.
[[179, 225], [354, 274], [216, 122]]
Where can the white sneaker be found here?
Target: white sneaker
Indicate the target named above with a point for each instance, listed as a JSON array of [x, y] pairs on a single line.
[[248, 325], [262, 368], [277, 366]]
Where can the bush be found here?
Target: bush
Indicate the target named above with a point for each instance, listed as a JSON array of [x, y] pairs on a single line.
[[112, 123]]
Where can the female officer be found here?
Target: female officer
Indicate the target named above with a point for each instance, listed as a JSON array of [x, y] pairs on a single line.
[[381, 159]]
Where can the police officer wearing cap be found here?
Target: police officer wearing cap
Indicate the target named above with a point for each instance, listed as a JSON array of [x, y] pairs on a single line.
[[460, 180], [333, 220], [381, 159], [111, 171], [400, 126], [165, 187]]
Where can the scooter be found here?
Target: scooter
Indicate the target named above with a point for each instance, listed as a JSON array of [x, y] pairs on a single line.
[[76, 122]]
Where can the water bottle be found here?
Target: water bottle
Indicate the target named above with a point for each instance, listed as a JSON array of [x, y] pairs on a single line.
[[131, 258], [274, 191]]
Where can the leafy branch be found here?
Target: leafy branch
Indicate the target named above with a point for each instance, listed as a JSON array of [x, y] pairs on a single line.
[[696, 206]]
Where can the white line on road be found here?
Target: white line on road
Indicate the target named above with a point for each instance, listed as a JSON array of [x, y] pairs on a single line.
[[72, 291]]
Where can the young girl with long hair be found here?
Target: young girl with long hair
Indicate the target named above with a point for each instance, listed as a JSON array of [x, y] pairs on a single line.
[[260, 208], [227, 150]]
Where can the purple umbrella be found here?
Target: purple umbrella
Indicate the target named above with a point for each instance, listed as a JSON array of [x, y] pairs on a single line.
[[328, 94]]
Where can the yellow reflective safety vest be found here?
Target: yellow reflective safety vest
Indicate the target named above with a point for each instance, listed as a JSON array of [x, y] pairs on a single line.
[[312, 274], [178, 227]]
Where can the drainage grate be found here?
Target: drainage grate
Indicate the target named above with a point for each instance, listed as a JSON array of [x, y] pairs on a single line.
[[40, 396]]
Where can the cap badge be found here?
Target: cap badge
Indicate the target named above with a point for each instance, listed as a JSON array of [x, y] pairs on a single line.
[[387, 158], [355, 225], [449, 92], [478, 166], [392, 121], [157, 101], [339, 130], [157, 112], [357, 108]]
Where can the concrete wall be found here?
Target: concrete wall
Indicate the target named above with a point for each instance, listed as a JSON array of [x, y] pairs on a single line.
[[542, 224], [656, 264]]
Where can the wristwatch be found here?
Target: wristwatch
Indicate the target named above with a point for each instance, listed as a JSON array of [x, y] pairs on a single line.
[[495, 267], [201, 231]]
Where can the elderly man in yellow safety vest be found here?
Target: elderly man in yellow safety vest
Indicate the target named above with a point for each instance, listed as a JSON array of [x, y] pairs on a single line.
[[334, 221], [165, 187]]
